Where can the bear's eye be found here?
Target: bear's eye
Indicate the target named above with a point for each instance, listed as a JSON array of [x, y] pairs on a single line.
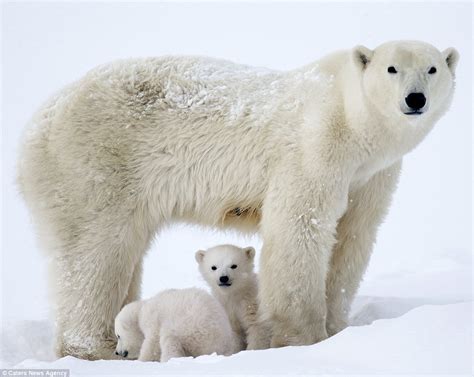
[[432, 70], [213, 268], [391, 69], [118, 336], [234, 266]]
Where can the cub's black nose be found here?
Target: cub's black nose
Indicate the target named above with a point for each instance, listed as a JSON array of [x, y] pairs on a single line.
[[116, 353], [125, 353], [415, 101], [224, 279]]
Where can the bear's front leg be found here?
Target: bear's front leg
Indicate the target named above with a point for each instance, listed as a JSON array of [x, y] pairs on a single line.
[[258, 337], [298, 228], [356, 234]]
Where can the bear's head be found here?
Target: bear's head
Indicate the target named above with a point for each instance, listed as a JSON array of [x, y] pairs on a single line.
[[406, 80], [226, 267], [127, 331]]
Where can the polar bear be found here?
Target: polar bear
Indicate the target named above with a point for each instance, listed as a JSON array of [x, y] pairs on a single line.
[[174, 323], [228, 270], [308, 157]]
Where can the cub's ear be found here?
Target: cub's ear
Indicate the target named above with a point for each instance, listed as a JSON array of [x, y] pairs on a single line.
[[451, 56], [362, 56], [249, 252], [199, 255]]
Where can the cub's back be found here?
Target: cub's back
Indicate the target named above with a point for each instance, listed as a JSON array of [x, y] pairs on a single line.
[[185, 308], [193, 317]]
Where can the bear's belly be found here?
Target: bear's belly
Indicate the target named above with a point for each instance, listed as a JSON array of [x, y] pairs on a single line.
[[245, 218]]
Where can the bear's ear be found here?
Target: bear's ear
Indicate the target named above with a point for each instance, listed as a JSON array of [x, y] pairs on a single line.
[[249, 252], [199, 255], [362, 56], [451, 56]]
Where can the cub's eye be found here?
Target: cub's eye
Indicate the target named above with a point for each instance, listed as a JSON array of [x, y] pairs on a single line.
[[391, 69], [118, 336], [234, 266], [213, 268], [432, 70]]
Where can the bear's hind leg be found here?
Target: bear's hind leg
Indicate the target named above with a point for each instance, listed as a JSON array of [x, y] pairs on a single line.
[[134, 289], [93, 278]]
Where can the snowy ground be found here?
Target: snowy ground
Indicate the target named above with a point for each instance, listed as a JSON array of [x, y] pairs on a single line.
[[402, 323], [413, 314]]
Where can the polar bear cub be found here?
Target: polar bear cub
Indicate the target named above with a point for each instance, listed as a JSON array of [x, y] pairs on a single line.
[[174, 323], [229, 271]]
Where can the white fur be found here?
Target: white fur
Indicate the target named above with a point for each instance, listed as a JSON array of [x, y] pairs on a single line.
[[174, 323], [308, 157], [239, 294]]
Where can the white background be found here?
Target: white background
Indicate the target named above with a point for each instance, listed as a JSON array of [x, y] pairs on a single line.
[[46, 46]]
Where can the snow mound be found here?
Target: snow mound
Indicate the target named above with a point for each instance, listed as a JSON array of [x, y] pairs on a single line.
[[427, 339]]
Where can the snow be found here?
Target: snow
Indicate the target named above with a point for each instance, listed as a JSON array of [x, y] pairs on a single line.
[[413, 313], [424, 340], [418, 350], [413, 328]]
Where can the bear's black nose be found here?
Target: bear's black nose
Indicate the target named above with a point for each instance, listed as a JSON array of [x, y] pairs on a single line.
[[224, 279], [116, 353], [415, 101], [125, 353]]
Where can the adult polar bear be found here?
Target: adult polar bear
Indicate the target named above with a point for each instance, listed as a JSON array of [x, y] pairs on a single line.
[[308, 157]]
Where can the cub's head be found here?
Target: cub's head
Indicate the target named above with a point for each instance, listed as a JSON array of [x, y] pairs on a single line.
[[409, 79], [127, 331], [226, 267]]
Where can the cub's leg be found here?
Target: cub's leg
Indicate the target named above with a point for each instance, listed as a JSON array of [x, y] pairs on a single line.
[[151, 349], [171, 347]]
